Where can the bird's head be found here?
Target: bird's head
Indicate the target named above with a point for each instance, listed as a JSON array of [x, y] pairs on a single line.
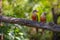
[[45, 13], [35, 11]]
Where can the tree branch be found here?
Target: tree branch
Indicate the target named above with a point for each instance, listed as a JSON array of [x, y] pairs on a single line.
[[30, 23]]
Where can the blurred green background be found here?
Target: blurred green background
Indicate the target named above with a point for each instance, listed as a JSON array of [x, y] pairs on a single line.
[[23, 9]]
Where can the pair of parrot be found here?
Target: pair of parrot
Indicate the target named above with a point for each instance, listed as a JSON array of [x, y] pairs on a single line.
[[35, 18]]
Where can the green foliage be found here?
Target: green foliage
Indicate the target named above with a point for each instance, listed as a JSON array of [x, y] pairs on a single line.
[[23, 9]]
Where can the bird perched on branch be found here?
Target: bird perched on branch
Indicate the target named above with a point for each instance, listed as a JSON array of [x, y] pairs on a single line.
[[33, 30], [43, 20], [34, 15], [35, 18]]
